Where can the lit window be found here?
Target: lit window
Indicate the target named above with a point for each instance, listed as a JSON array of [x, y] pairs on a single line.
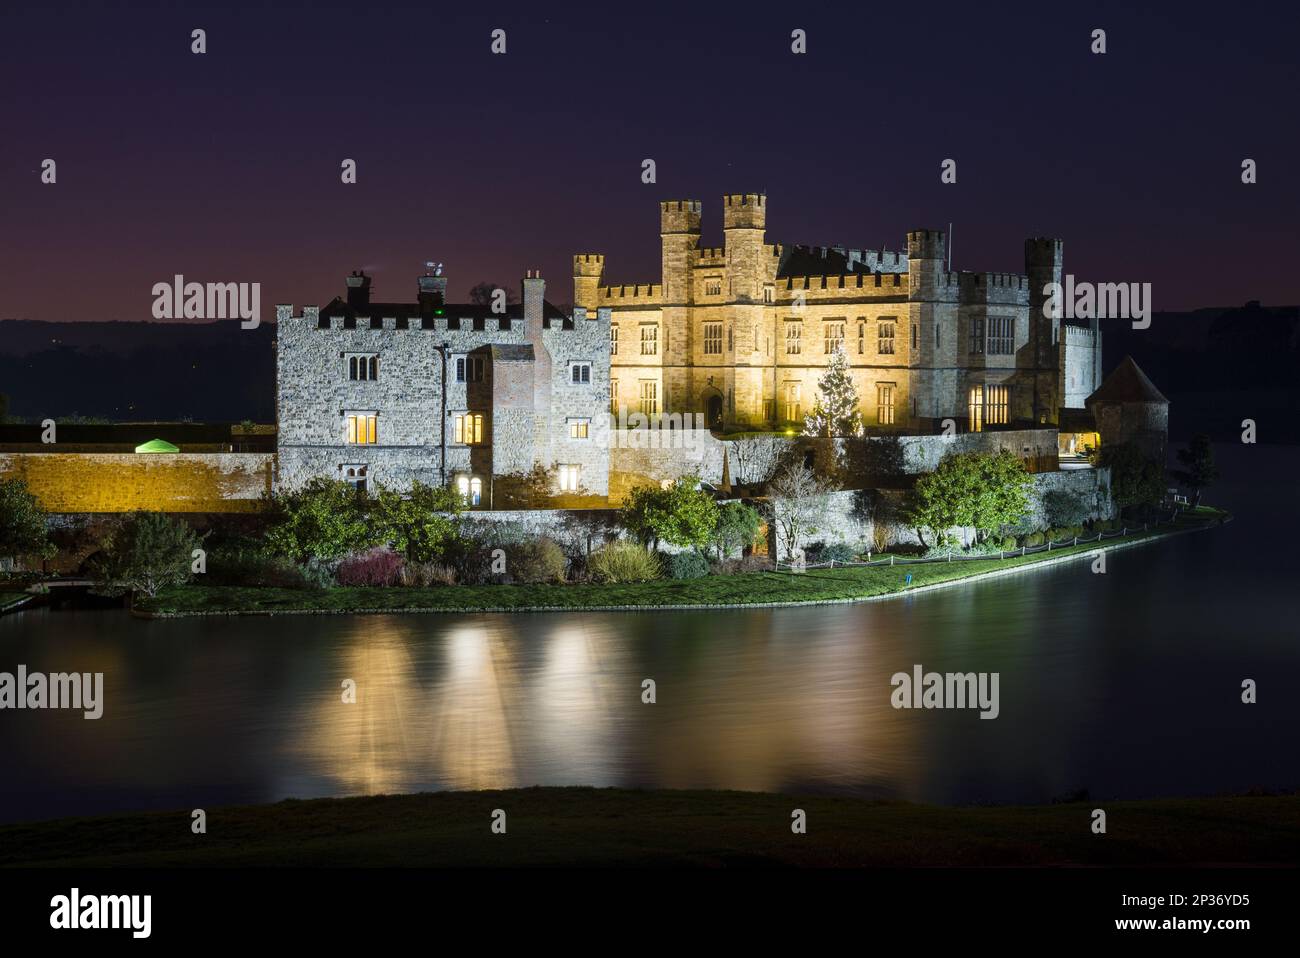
[[613, 339], [470, 489], [580, 373], [649, 397], [975, 408], [792, 409], [570, 478], [885, 338], [362, 428], [995, 405], [579, 428], [712, 339], [833, 336], [793, 337], [469, 428], [885, 404], [862, 337], [363, 367], [613, 396], [649, 340]]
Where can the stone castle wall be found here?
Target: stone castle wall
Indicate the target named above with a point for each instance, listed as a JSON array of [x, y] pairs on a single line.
[[124, 482]]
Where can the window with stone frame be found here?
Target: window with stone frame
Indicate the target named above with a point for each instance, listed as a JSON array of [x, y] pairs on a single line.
[[570, 476], [363, 367], [832, 335], [613, 339], [579, 428], [362, 428], [1002, 335], [977, 335], [885, 403], [793, 337], [713, 339], [885, 337], [580, 373], [792, 407], [468, 428], [649, 339], [649, 397], [469, 369]]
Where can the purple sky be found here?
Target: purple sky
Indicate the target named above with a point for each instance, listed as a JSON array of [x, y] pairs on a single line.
[[225, 167]]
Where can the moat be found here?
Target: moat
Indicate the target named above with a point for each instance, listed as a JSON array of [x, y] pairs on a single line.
[[1125, 686]]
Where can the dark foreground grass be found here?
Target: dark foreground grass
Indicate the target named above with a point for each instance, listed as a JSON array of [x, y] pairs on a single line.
[[751, 588], [11, 598], [615, 827]]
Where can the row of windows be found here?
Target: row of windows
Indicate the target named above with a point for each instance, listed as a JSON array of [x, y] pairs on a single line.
[[999, 341], [469, 487], [467, 428], [468, 369]]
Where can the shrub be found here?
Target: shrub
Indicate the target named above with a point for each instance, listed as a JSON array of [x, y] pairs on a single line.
[[317, 574], [250, 566], [326, 519], [22, 522], [1032, 540], [1007, 543], [471, 560], [536, 561], [686, 565], [834, 552], [374, 567], [149, 551], [736, 528], [624, 562], [680, 515], [424, 574], [749, 563]]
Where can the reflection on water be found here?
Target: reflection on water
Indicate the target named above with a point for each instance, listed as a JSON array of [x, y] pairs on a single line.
[[1125, 685]]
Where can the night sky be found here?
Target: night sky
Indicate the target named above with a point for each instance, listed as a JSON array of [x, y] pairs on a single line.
[[225, 167]]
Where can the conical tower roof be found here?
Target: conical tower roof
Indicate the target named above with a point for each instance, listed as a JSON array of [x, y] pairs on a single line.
[[1127, 383]]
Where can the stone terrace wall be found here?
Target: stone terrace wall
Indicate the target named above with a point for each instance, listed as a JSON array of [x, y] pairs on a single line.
[[123, 482]]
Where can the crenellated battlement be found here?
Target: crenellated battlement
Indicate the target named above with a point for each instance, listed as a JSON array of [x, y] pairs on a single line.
[[680, 216], [1080, 335], [646, 292], [744, 211], [1017, 281]]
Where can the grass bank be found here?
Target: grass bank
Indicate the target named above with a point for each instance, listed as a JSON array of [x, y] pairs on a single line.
[[616, 827], [841, 584], [12, 599]]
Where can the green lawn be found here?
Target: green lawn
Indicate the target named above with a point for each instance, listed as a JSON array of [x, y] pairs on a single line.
[[752, 588], [9, 598], [615, 827]]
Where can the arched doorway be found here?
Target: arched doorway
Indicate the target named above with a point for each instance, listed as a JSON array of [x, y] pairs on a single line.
[[714, 411]]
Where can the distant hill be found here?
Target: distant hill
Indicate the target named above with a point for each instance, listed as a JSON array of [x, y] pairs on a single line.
[[1217, 366], [128, 371]]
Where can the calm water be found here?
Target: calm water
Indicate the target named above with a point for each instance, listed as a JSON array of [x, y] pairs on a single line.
[[1126, 685]]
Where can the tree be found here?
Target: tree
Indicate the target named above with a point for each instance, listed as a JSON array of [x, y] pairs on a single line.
[[481, 294], [983, 490], [1199, 469], [1065, 508], [1002, 489], [835, 411], [146, 553], [326, 519], [1136, 482], [757, 458], [421, 524], [22, 522], [681, 515], [736, 528], [798, 497]]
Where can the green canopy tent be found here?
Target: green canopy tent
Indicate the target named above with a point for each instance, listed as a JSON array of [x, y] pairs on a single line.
[[157, 445]]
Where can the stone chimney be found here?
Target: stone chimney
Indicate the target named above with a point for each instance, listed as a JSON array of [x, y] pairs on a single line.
[[534, 300], [433, 288], [359, 290]]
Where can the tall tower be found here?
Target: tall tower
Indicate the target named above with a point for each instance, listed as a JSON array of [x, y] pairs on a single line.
[[588, 274], [1044, 257], [744, 221], [679, 229], [932, 311]]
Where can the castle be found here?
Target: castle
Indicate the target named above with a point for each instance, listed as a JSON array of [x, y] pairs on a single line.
[[442, 393], [742, 333]]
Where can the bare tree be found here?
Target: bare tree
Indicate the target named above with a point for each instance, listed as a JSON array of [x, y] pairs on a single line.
[[756, 458], [798, 497]]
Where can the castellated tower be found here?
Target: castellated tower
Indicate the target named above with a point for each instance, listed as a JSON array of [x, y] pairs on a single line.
[[744, 220], [1044, 256], [932, 307], [588, 274], [679, 229]]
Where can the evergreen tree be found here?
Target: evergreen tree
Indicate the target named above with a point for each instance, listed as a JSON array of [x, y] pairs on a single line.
[[835, 412]]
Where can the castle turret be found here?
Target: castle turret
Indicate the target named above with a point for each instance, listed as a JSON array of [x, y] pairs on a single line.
[[932, 312], [679, 229], [1044, 258], [744, 221], [588, 275]]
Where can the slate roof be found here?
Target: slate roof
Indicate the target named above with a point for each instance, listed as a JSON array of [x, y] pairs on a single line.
[[817, 261], [1127, 383], [339, 307]]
